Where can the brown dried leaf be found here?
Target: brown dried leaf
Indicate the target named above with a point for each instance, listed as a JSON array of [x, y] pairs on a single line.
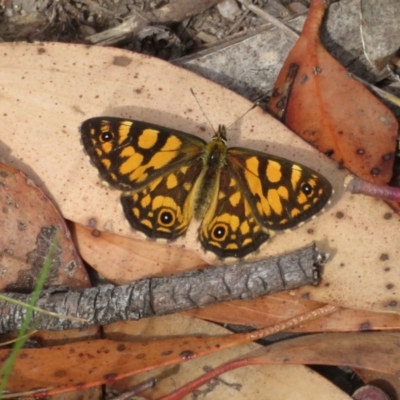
[[29, 223], [375, 351], [273, 309], [123, 260], [333, 111]]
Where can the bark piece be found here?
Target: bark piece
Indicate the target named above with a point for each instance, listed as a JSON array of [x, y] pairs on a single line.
[[105, 304]]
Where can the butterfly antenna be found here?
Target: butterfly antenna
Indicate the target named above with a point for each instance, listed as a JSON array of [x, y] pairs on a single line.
[[201, 108], [256, 103]]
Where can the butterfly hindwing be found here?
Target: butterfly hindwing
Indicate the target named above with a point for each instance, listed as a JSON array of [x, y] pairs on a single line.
[[229, 227], [164, 208], [281, 193]]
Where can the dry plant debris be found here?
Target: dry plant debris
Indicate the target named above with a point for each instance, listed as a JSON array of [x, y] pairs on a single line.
[[210, 39]]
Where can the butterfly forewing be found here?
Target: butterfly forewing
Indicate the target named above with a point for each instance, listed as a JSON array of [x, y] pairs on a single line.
[[130, 154], [281, 194]]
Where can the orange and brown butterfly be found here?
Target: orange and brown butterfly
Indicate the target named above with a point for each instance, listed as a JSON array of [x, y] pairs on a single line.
[[168, 177]]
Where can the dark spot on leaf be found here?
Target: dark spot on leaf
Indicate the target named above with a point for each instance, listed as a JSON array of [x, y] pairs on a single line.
[[21, 225], [167, 352], [327, 284], [384, 257], [388, 215], [317, 70], [275, 93], [361, 152], [96, 233], [393, 303], [92, 222], [375, 171], [388, 156], [310, 231], [138, 91], [386, 269], [305, 295], [187, 355], [41, 50], [122, 61], [281, 104], [342, 264], [141, 356], [329, 153], [304, 78], [110, 376], [339, 214], [365, 326], [121, 347], [389, 286], [60, 373], [340, 133]]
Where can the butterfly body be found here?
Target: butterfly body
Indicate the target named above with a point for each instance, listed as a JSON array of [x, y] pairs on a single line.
[[213, 160], [167, 178]]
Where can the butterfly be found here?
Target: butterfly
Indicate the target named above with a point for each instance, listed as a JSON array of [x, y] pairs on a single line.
[[167, 177]]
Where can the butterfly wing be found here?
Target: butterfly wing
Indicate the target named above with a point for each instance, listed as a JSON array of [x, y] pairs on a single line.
[[281, 193], [164, 208], [259, 194], [156, 168], [130, 154], [229, 227]]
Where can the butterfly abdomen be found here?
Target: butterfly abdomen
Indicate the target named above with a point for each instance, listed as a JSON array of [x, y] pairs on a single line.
[[213, 159]]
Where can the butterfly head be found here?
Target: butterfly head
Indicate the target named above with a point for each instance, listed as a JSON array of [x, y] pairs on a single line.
[[220, 135]]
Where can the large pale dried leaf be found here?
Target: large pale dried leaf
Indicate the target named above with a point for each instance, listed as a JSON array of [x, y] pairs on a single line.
[[56, 86], [333, 111]]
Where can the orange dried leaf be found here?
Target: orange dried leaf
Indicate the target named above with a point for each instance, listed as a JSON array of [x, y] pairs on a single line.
[[98, 361], [320, 101]]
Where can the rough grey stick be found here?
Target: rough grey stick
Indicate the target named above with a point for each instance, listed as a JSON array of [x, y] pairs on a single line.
[[105, 304]]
